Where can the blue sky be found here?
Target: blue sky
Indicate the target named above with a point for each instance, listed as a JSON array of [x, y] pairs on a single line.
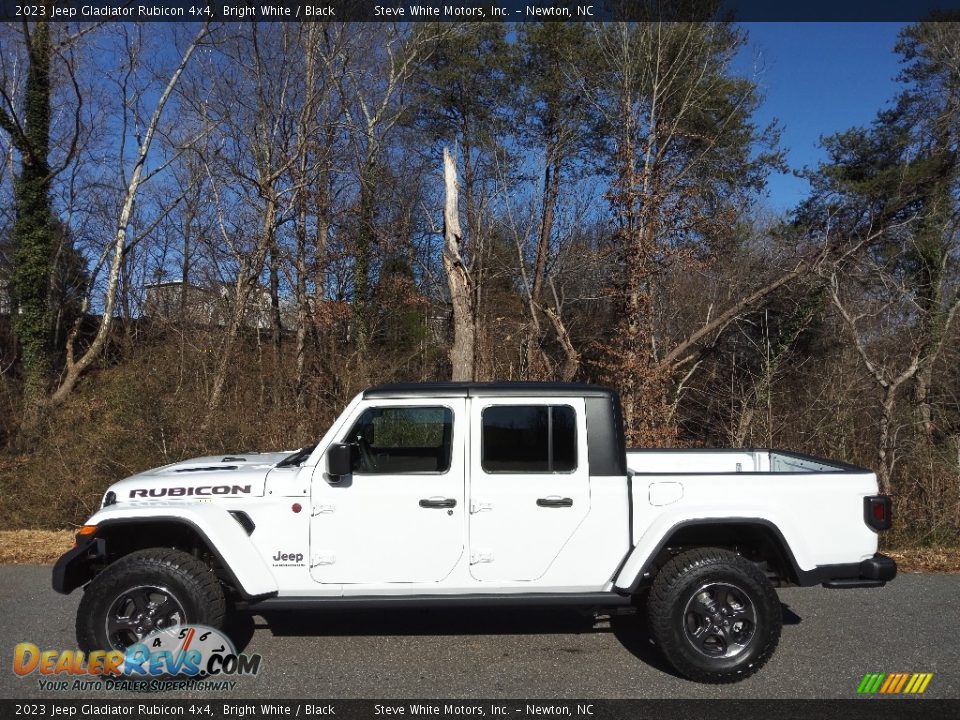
[[818, 79]]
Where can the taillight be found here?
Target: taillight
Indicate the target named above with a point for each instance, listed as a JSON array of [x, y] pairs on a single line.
[[878, 512]]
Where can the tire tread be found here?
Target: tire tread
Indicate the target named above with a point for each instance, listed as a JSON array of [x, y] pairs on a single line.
[[196, 575], [664, 592]]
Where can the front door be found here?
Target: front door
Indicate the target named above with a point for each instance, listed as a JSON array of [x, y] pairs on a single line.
[[529, 484], [399, 517]]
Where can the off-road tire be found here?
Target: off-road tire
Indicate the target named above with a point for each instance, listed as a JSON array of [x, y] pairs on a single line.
[[679, 583], [191, 581]]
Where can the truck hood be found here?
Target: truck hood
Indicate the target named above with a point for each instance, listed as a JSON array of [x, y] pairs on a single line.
[[199, 479]]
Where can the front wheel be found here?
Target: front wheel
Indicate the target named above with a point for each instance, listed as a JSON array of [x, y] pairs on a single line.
[[714, 615], [145, 591]]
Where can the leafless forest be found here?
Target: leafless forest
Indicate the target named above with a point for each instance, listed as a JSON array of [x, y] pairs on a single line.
[[211, 237]]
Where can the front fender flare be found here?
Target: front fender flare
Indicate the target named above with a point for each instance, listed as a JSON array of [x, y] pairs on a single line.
[[221, 533]]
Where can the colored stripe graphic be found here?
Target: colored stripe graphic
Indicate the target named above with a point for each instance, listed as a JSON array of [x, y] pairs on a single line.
[[894, 683], [891, 679], [875, 685]]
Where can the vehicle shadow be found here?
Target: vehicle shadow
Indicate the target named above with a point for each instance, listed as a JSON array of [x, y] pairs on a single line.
[[241, 626], [630, 629], [633, 632], [431, 621], [789, 616]]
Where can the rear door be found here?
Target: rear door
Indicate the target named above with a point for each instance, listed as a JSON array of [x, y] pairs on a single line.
[[529, 483], [399, 517]]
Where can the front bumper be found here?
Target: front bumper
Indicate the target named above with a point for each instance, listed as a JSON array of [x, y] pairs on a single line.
[[872, 572], [75, 567]]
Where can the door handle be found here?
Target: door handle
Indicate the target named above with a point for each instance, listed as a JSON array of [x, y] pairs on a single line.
[[438, 503], [554, 502]]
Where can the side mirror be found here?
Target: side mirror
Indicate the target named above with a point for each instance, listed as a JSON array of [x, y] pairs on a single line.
[[339, 460]]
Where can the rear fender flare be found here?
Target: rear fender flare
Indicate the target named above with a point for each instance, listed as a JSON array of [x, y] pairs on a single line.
[[639, 562]]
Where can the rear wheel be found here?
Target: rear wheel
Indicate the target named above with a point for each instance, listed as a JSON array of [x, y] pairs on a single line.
[[714, 615], [145, 591]]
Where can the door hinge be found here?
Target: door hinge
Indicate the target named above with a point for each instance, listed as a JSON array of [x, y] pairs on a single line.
[[323, 509], [323, 559], [484, 556], [476, 507]]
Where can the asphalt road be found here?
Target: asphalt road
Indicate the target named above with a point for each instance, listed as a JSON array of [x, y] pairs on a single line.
[[831, 638]]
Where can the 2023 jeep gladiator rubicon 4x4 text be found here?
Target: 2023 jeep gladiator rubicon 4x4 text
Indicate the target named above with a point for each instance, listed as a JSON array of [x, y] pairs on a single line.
[[469, 494]]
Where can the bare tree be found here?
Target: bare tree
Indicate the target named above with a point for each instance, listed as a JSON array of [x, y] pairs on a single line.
[[317, 137], [528, 226], [76, 365], [890, 367], [372, 71], [889, 377], [37, 244], [681, 163], [261, 127]]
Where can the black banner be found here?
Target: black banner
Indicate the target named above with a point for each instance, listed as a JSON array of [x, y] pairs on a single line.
[[477, 10], [151, 707]]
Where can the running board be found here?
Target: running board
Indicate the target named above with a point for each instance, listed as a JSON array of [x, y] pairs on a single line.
[[359, 602], [845, 583]]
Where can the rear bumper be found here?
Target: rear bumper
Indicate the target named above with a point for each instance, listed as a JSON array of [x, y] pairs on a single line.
[[872, 572]]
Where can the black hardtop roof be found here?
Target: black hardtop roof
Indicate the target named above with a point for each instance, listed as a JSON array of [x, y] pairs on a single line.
[[486, 389]]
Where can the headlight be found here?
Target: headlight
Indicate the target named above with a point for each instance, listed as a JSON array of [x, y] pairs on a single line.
[[109, 499]]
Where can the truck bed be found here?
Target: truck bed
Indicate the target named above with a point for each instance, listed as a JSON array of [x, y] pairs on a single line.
[[816, 504], [717, 461]]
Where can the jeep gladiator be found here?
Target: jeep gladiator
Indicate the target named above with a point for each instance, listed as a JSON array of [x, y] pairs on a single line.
[[465, 494]]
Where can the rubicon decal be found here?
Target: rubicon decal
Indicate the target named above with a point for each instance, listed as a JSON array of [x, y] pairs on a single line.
[[198, 491], [894, 683]]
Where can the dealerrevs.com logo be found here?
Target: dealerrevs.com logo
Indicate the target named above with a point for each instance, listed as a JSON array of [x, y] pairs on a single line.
[[181, 657]]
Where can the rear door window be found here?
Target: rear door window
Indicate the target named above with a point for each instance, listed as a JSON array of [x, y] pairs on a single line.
[[529, 439]]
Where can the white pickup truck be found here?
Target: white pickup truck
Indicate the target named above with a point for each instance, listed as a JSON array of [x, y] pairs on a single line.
[[468, 494]]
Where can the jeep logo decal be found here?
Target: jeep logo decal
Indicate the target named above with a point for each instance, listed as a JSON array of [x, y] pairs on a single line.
[[294, 558], [188, 491]]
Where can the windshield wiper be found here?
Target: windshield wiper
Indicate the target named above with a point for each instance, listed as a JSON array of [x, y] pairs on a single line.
[[297, 458]]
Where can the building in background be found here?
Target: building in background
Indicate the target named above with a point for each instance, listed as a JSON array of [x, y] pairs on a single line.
[[176, 301]]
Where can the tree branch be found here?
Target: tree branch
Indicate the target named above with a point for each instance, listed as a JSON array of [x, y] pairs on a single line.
[[675, 358]]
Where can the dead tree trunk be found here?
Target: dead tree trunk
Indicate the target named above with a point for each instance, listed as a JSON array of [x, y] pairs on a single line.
[[458, 278]]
